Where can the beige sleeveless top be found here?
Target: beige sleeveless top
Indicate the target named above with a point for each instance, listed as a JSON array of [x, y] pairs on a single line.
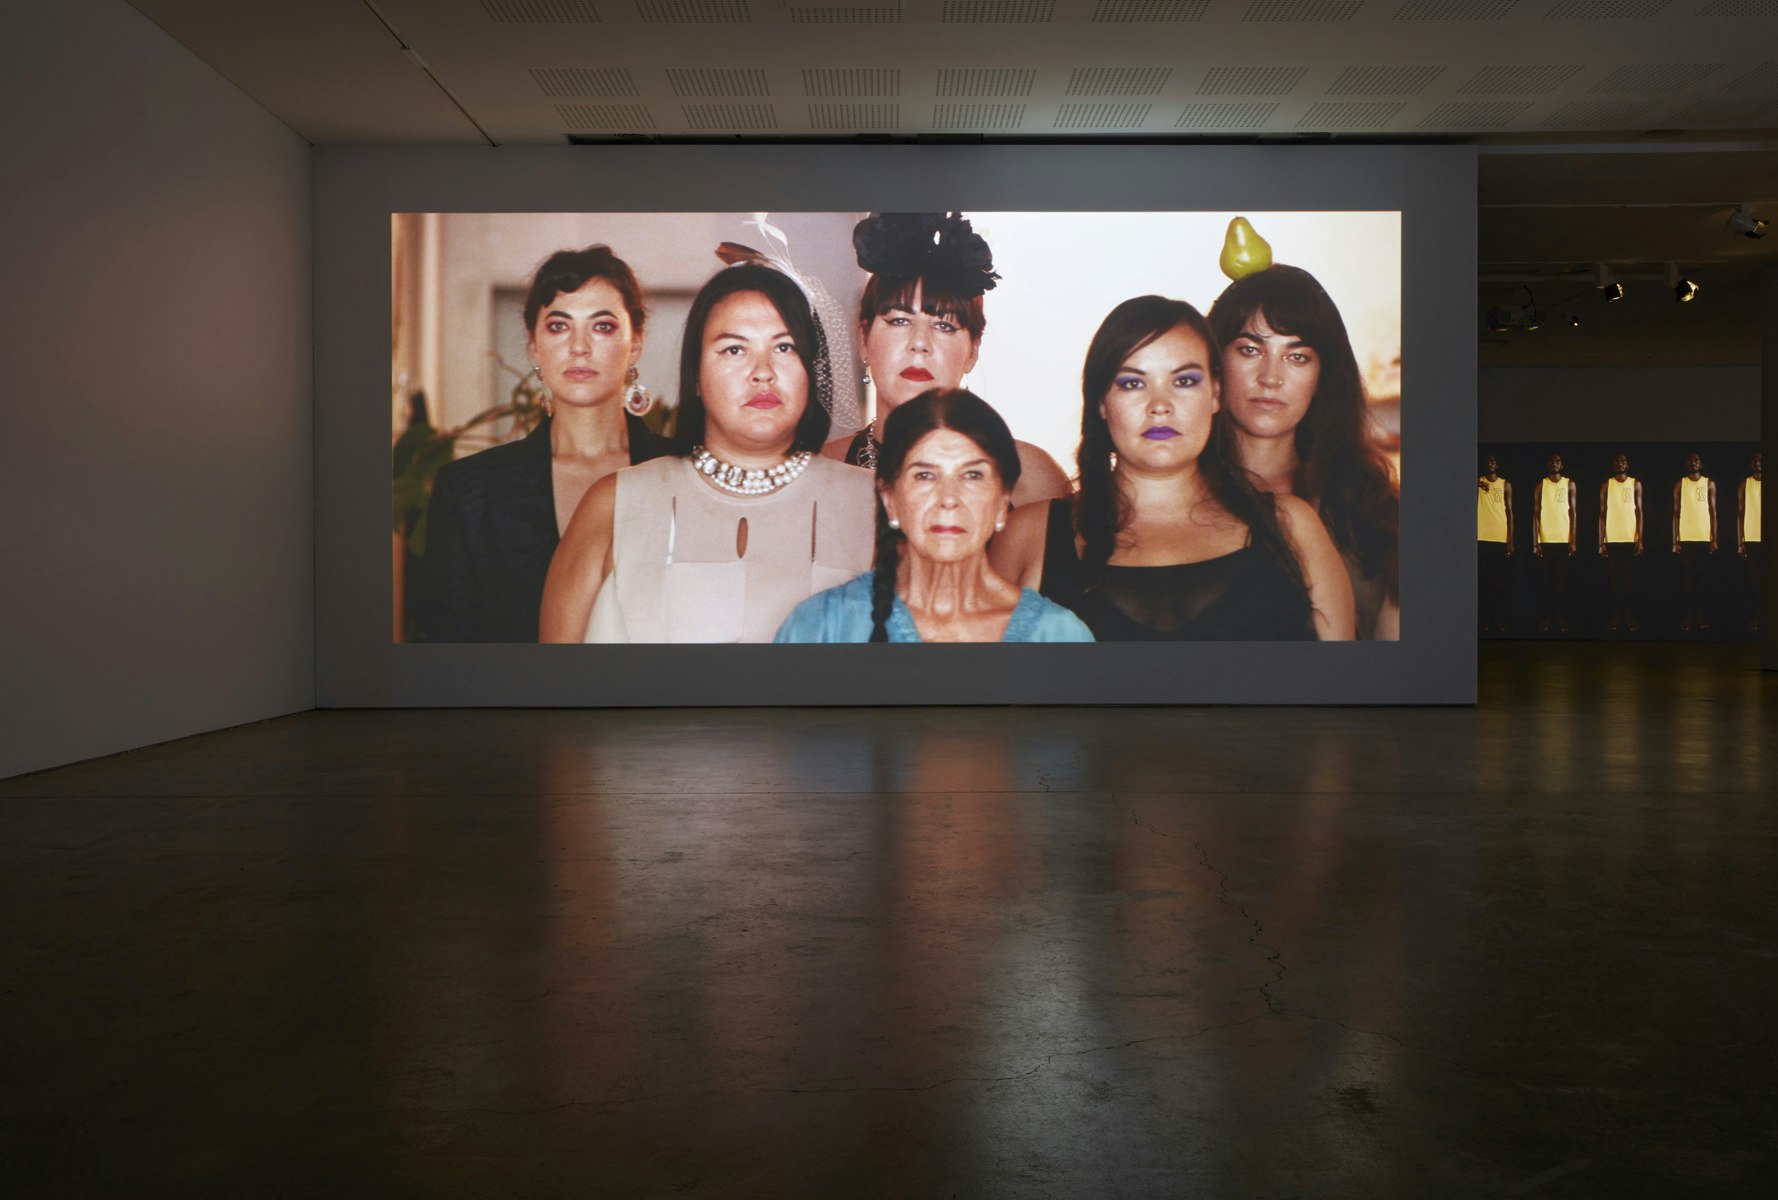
[[681, 571]]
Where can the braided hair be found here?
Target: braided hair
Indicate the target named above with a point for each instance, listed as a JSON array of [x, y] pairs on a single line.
[[1101, 511], [956, 409]]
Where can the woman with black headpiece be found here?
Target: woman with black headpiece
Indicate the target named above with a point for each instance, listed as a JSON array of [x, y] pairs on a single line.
[[946, 469], [496, 516], [1168, 540], [720, 542], [920, 323]]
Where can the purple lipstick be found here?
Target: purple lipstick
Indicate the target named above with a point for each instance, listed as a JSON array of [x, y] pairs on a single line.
[[1160, 433]]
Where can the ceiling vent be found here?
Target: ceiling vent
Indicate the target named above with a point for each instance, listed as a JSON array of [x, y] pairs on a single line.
[[718, 81], [845, 16], [1740, 8], [986, 82], [863, 118], [1763, 78], [978, 118], [1102, 116], [1251, 81], [1605, 10], [1475, 114], [608, 118], [1729, 110], [1117, 81], [851, 81], [1150, 12], [693, 12], [1454, 10], [1225, 116], [1599, 114], [730, 116], [1348, 116], [584, 81], [1653, 78], [998, 12], [1302, 10], [542, 12], [1383, 81], [1523, 80]]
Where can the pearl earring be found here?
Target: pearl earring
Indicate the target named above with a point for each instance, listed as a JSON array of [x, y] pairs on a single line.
[[894, 524]]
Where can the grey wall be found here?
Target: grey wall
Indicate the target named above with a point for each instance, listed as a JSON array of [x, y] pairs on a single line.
[[356, 188], [1627, 404], [156, 536]]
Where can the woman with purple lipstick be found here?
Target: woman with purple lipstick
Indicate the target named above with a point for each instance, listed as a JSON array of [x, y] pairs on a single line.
[[1168, 539]]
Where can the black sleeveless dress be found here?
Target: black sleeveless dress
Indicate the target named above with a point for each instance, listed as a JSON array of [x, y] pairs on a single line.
[[1243, 596]]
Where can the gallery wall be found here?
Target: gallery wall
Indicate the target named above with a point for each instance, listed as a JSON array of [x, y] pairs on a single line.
[[357, 188], [156, 468], [1602, 404]]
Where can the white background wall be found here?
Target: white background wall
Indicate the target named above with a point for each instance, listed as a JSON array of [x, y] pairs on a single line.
[[156, 532]]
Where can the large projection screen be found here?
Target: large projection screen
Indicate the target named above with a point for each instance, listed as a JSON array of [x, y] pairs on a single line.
[[1423, 195]]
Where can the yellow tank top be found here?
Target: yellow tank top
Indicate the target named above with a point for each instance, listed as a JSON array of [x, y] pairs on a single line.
[[1620, 509], [1553, 515], [1750, 523], [1694, 509], [1490, 510]]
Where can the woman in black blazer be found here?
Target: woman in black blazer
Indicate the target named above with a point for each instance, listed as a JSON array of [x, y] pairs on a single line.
[[496, 516]]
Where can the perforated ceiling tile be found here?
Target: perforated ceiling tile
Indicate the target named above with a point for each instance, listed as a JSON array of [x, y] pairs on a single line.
[[1525, 80], [986, 82], [609, 118], [1117, 81], [978, 118], [584, 81], [730, 116], [1301, 10], [855, 118], [1102, 116], [1225, 116], [1599, 114], [998, 12], [1151, 12], [1348, 116], [1383, 81], [1453, 10], [1740, 8], [1605, 10], [1251, 81], [1474, 114], [845, 16], [1763, 78], [851, 81], [718, 81], [1653, 78], [542, 12], [1725, 110], [693, 12]]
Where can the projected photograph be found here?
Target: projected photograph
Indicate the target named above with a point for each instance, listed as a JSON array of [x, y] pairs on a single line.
[[843, 427]]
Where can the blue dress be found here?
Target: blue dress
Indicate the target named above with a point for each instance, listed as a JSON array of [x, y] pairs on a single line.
[[842, 614]]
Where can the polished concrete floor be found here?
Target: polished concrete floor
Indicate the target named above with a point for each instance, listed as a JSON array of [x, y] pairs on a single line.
[[1529, 949]]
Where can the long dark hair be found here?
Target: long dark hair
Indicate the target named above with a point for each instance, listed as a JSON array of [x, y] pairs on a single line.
[[804, 329], [941, 408], [1100, 509], [567, 271], [1339, 468]]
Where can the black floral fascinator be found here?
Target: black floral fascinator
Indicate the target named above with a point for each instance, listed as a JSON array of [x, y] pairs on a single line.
[[940, 247]]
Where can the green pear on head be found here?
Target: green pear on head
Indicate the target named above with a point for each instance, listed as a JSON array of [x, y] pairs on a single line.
[[1243, 250]]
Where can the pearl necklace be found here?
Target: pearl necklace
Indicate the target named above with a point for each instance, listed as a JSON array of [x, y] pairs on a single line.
[[749, 481]]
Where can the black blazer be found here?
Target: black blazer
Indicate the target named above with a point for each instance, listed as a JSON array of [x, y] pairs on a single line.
[[490, 533]]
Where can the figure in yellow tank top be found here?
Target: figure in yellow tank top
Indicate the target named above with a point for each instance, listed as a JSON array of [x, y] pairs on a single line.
[[1620, 539], [1747, 537], [1494, 541], [1694, 539], [1552, 519]]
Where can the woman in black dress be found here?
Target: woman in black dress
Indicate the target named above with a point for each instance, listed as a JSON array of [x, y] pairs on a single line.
[[496, 516], [1167, 539]]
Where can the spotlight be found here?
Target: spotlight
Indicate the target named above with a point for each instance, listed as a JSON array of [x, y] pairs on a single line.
[[1609, 287], [1515, 318], [1684, 290], [1573, 321], [1743, 222]]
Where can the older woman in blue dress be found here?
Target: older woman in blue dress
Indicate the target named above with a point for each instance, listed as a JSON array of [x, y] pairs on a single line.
[[946, 469]]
